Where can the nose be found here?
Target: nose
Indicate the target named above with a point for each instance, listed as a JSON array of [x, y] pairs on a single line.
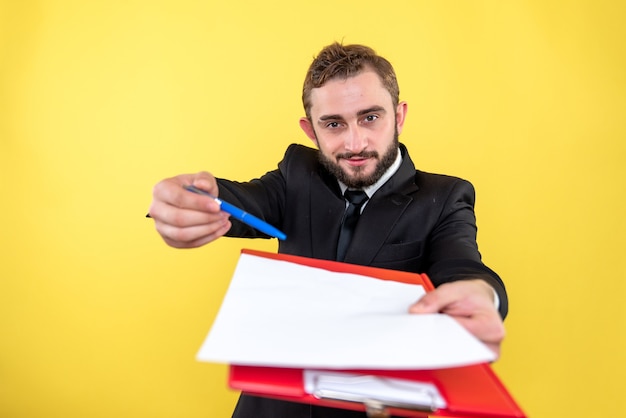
[[356, 139]]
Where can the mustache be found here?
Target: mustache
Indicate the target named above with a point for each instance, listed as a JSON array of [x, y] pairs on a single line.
[[362, 154]]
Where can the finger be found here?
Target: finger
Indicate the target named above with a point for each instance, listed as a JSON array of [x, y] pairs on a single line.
[[495, 348], [457, 298], [206, 182], [171, 191], [193, 236], [488, 330], [435, 301], [179, 217]]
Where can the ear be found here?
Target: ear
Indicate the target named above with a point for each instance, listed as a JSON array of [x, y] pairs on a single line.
[[307, 127], [401, 110]]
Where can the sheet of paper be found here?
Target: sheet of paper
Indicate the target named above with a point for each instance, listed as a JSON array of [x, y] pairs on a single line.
[[281, 314], [361, 388]]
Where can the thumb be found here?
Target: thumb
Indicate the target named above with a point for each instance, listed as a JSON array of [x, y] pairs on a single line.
[[426, 304], [205, 181]]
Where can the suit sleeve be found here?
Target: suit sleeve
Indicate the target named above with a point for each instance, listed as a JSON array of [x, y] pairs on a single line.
[[263, 197], [453, 251]]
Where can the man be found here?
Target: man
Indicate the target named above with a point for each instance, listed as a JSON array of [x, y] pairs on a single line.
[[408, 220]]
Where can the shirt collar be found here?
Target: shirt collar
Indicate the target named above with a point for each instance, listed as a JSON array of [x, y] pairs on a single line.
[[370, 190]]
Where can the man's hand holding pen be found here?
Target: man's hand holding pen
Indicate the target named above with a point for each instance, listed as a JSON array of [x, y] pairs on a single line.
[[184, 219]]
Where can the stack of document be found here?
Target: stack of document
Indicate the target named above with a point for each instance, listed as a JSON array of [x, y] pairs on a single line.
[[340, 335], [282, 314]]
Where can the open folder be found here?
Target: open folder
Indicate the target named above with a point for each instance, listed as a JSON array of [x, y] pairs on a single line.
[[445, 373]]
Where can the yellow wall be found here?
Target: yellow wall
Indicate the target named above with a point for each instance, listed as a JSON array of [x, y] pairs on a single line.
[[100, 99]]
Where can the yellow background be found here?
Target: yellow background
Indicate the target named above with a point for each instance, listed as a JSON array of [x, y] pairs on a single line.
[[101, 99]]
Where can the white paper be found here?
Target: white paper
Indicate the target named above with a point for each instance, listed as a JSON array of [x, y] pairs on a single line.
[[362, 388], [281, 314]]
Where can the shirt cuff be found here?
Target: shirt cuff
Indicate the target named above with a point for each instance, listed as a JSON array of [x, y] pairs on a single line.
[[496, 298]]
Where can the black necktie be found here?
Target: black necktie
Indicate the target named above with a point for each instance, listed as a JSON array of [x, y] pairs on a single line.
[[356, 199]]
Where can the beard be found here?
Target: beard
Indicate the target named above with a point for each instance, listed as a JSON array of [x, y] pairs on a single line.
[[355, 179]]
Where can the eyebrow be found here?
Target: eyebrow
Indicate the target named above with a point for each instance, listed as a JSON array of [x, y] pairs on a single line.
[[359, 113]]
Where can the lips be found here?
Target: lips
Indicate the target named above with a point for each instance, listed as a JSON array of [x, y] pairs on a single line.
[[356, 161]]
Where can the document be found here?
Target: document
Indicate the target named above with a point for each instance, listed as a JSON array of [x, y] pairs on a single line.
[[281, 314], [363, 388]]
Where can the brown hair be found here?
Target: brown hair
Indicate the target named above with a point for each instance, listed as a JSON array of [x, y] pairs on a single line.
[[343, 61]]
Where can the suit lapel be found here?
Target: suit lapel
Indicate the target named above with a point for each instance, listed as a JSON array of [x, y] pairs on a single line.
[[382, 212], [327, 207]]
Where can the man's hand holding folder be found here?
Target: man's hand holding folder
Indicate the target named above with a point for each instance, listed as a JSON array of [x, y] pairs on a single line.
[[475, 310]]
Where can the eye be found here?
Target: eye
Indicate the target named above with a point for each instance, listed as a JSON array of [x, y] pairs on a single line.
[[370, 118], [332, 125]]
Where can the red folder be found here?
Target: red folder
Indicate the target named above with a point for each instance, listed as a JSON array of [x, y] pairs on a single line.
[[471, 391]]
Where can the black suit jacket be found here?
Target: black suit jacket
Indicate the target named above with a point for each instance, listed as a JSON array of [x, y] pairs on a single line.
[[417, 222]]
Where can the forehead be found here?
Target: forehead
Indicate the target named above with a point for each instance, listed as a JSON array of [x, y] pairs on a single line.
[[348, 96]]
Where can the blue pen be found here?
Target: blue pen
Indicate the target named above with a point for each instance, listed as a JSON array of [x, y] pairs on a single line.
[[242, 215]]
